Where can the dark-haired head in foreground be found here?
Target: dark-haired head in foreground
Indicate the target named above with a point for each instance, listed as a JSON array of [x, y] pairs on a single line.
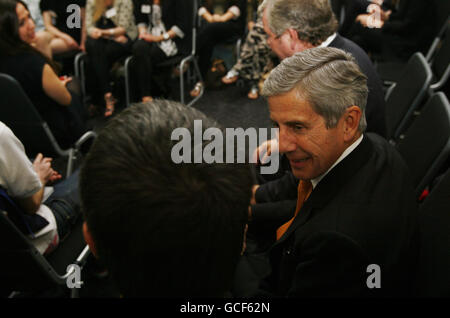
[[162, 229]]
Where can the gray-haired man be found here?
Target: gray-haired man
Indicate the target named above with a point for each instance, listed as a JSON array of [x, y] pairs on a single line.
[[296, 25], [350, 229]]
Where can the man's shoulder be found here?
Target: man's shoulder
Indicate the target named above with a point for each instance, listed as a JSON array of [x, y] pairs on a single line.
[[351, 47]]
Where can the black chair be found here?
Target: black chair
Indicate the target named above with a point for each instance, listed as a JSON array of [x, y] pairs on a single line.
[[437, 57], [24, 271], [338, 7], [425, 146], [406, 96], [184, 63], [433, 275], [440, 61], [23, 119]]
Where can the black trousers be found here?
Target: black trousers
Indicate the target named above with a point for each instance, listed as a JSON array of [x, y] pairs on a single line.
[[102, 54], [209, 36], [146, 56]]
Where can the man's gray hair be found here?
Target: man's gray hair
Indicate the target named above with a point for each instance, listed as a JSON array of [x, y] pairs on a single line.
[[328, 78], [313, 20]]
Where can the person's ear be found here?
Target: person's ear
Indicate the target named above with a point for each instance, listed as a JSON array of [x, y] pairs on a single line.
[[88, 238], [351, 120], [297, 45]]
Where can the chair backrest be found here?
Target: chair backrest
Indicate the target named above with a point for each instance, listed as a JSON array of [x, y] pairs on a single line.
[[19, 114], [22, 266], [407, 94], [440, 63], [433, 275], [338, 7], [426, 144]]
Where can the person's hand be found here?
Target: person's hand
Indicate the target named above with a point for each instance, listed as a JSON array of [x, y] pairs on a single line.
[[65, 79], [149, 37], [96, 33], [362, 19], [385, 15], [71, 43], [43, 167], [121, 39], [264, 151]]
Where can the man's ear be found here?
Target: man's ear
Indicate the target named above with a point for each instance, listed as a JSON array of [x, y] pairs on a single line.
[[351, 120], [88, 238], [297, 45]]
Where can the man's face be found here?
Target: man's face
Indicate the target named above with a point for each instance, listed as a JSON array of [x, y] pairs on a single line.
[[310, 147], [26, 24], [281, 44]]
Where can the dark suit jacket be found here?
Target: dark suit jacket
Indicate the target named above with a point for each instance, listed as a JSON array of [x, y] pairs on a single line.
[[375, 108], [362, 212]]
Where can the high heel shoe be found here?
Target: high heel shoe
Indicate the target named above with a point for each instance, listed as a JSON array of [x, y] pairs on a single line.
[[198, 89], [110, 103]]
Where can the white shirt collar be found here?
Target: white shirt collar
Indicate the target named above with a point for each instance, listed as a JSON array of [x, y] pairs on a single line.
[[328, 40], [346, 152]]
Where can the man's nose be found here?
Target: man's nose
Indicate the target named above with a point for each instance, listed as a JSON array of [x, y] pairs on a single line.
[[286, 141]]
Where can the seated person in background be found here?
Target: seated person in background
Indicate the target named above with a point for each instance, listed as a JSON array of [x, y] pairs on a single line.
[[296, 25], [162, 229], [162, 25], [255, 59], [217, 28], [395, 34], [111, 30], [56, 18], [59, 107], [353, 199], [43, 38], [25, 182]]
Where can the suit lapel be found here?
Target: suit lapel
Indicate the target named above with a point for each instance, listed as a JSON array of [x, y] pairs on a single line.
[[333, 182]]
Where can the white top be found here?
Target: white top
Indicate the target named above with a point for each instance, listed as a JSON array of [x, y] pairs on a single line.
[[346, 152], [19, 180]]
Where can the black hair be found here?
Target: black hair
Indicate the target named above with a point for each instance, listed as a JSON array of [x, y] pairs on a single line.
[[10, 41], [161, 228]]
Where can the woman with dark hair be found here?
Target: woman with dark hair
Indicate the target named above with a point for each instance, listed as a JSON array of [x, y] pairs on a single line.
[[110, 31], [59, 107], [216, 29]]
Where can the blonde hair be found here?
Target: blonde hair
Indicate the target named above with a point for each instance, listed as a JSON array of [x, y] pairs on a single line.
[[99, 9]]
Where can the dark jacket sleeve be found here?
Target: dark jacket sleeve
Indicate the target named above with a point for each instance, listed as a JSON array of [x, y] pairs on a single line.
[[329, 264], [284, 188]]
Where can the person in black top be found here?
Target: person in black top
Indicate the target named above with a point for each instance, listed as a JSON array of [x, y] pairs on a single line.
[[164, 31], [110, 31], [215, 29], [65, 37], [59, 107], [397, 31]]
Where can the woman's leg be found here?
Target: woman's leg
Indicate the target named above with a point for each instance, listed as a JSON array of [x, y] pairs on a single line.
[[147, 56], [96, 50]]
